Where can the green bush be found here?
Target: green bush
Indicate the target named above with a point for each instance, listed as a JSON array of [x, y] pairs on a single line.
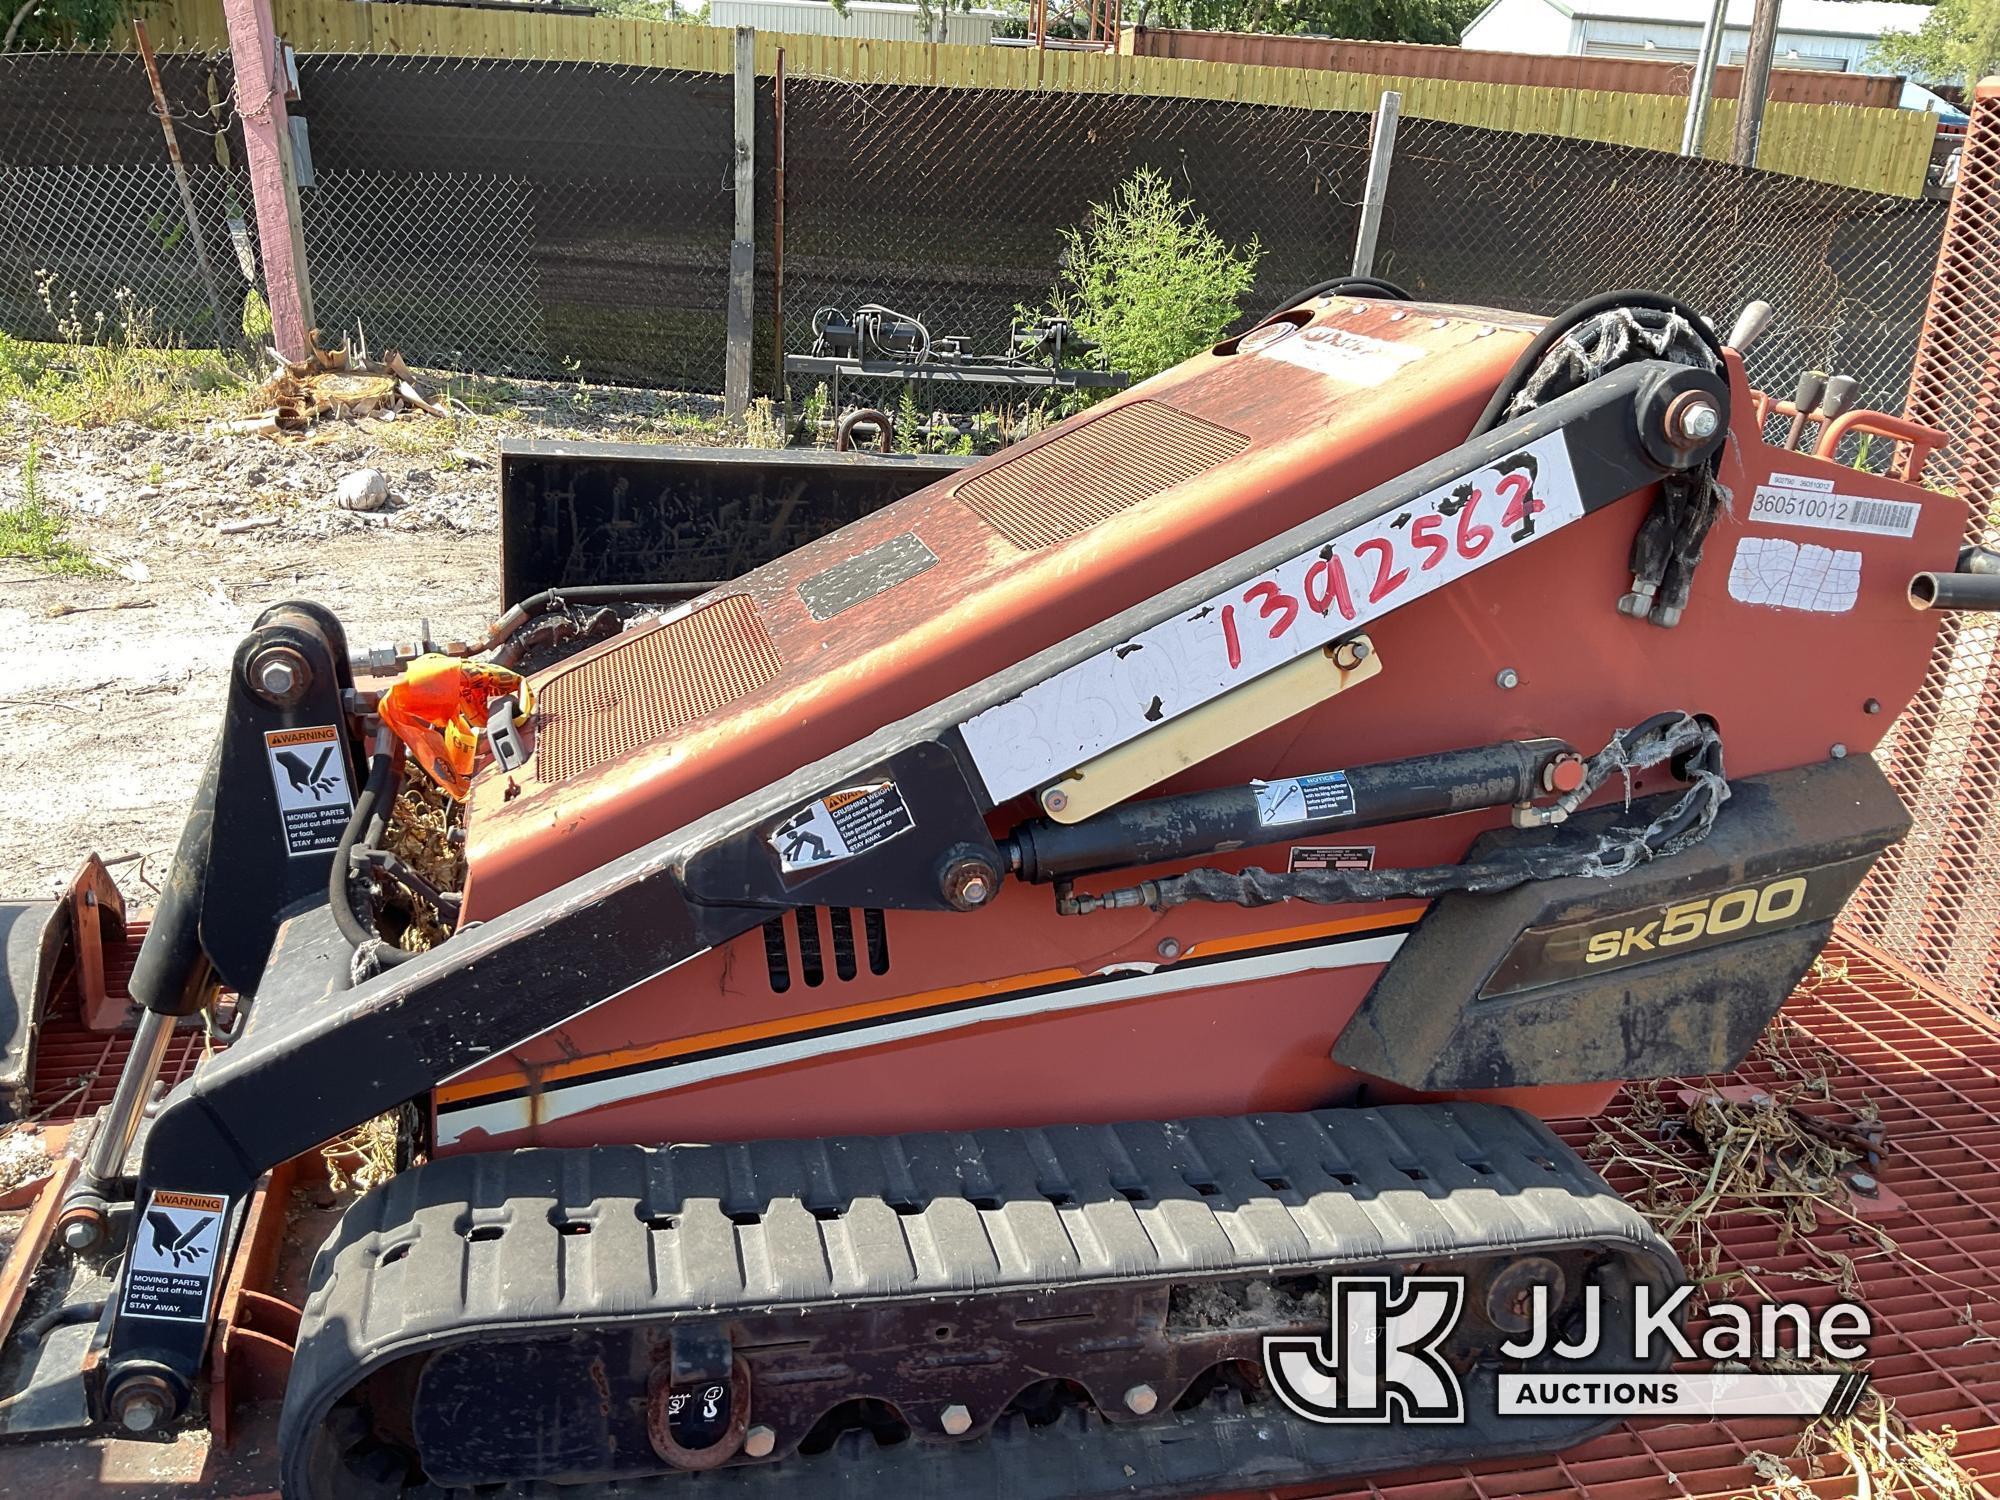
[[1148, 279]]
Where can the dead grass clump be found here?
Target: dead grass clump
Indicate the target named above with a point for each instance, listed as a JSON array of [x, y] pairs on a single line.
[[419, 834], [364, 1157], [1705, 1159]]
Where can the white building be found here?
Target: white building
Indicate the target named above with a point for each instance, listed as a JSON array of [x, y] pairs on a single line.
[[1832, 35], [869, 18]]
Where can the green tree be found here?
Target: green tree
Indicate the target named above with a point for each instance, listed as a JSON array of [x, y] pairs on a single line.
[[1958, 42], [1147, 279], [58, 23], [1440, 21]]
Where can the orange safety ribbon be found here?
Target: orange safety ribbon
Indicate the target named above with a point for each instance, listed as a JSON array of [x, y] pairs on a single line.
[[439, 705]]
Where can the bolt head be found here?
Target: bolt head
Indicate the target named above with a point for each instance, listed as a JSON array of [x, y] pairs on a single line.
[[969, 883], [1142, 1399], [277, 677], [1862, 1182], [1508, 678], [1838, 752], [956, 1420], [1055, 799], [759, 1441], [1350, 654], [142, 1413], [1700, 421], [1169, 948], [80, 1234]]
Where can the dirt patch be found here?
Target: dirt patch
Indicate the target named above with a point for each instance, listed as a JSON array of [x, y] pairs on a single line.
[[1211, 1306], [111, 686], [24, 1156]]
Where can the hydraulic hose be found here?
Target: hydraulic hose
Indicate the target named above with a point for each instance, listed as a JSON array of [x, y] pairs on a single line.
[[65, 1315], [1692, 745], [590, 593], [1342, 286], [1565, 322], [377, 797]]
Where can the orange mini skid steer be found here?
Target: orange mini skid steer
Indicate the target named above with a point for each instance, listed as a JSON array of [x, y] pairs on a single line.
[[918, 1017]]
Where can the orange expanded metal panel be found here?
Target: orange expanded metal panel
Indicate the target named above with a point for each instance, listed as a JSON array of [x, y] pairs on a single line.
[[652, 682], [1623, 75], [1935, 901], [1131, 453]]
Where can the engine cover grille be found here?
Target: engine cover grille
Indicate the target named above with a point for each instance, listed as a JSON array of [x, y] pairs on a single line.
[[650, 685], [1068, 484]]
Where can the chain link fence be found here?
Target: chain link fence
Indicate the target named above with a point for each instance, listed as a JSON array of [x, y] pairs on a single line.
[[950, 204], [91, 221], [573, 220], [1536, 223], [1935, 900], [526, 218]]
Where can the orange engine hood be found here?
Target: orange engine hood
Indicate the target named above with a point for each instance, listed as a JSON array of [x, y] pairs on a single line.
[[668, 721]]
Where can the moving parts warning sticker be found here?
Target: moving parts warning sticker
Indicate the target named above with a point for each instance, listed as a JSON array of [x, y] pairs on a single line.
[[310, 775], [841, 825], [175, 1244]]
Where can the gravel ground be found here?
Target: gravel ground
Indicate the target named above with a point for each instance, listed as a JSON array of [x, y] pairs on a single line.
[[111, 686]]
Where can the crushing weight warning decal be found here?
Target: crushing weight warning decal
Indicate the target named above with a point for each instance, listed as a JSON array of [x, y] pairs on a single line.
[[175, 1244], [841, 825], [1300, 605]]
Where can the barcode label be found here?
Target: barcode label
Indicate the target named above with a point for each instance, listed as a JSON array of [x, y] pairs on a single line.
[[1783, 505]]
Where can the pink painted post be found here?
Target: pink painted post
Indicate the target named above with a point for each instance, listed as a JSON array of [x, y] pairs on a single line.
[[260, 104]]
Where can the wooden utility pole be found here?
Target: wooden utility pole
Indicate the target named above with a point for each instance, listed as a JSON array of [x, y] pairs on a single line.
[[743, 251], [1756, 86], [260, 105]]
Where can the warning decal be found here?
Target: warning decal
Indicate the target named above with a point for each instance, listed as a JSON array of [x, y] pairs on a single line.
[[841, 825], [310, 775], [1299, 798], [175, 1244]]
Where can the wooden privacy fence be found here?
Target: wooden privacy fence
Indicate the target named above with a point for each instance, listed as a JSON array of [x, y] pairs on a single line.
[[1879, 150]]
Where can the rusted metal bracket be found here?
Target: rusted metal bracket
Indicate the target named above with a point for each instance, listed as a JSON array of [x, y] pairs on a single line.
[[97, 919]]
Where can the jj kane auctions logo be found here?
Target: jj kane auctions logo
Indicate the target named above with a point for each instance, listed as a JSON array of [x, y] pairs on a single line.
[[1387, 1357]]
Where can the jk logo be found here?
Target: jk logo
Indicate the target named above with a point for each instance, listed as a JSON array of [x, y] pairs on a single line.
[[1379, 1360]]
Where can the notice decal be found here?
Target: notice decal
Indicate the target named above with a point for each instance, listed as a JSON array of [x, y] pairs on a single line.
[[310, 776], [175, 1245], [1331, 857]]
